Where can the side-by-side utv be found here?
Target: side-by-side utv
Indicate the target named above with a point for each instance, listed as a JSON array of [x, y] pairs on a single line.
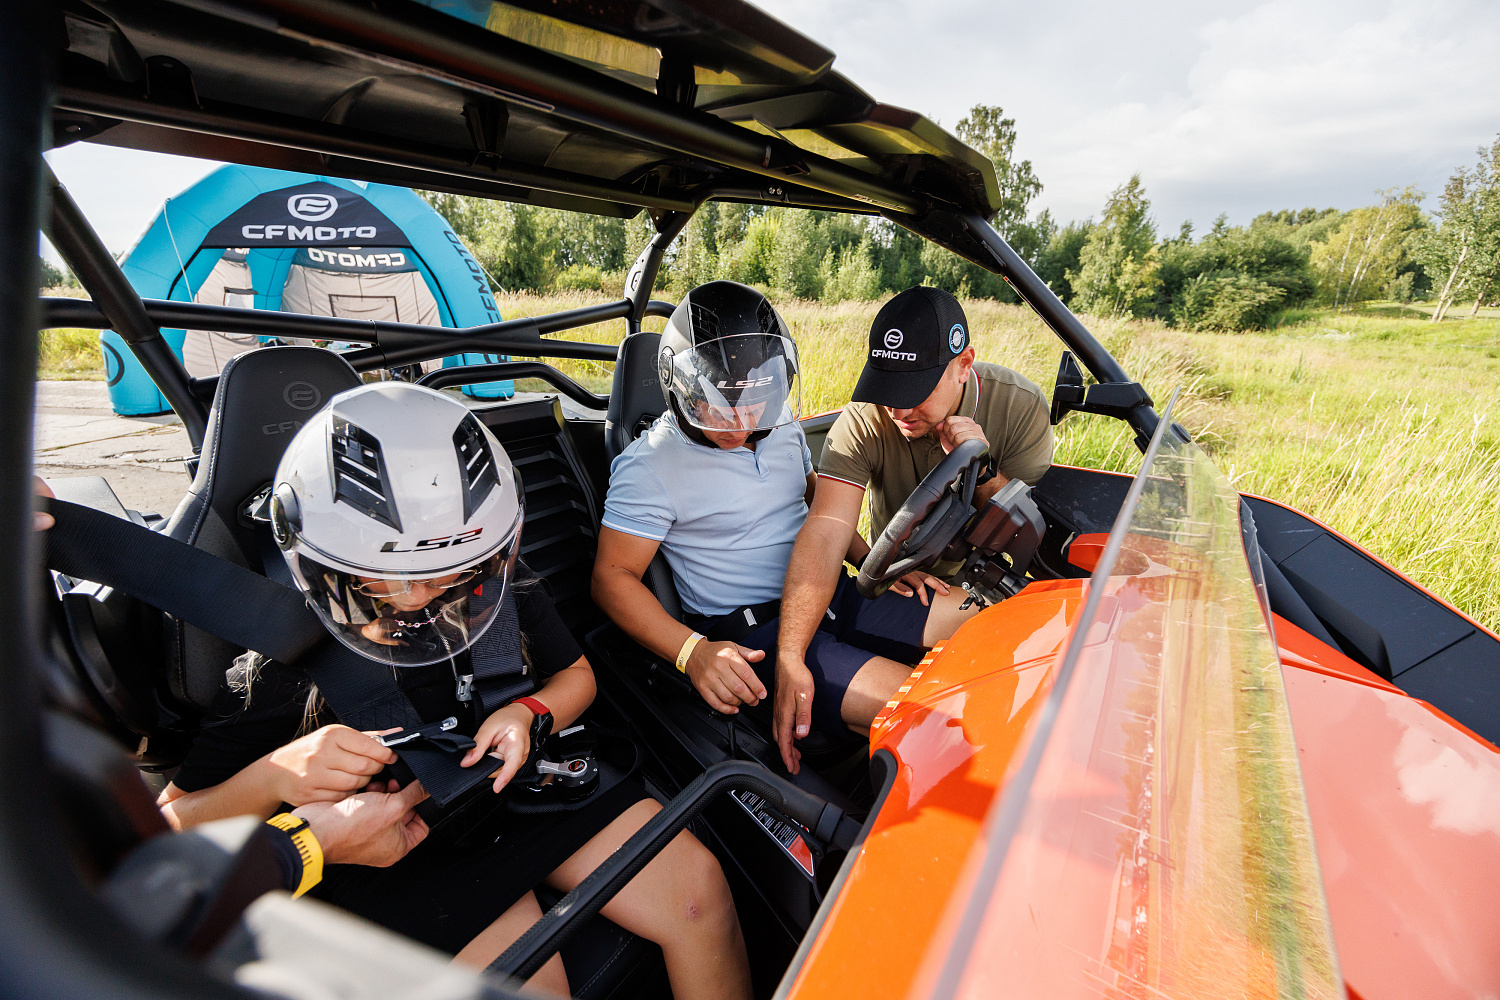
[[1197, 744]]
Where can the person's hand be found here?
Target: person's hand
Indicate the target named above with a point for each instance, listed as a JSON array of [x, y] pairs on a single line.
[[41, 520], [327, 765], [722, 674], [791, 717], [917, 582], [375, 827], [955, 430], [507, 732]]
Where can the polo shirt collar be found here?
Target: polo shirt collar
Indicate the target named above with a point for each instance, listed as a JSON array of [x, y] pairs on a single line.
[[968, 403]]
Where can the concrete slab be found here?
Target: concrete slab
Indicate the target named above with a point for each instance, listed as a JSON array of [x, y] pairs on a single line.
[[78, 434]]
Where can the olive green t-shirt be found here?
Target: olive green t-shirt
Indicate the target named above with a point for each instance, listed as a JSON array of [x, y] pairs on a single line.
[[864, 446]]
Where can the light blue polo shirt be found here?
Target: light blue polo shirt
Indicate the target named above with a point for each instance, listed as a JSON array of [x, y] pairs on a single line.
[[726, 520]]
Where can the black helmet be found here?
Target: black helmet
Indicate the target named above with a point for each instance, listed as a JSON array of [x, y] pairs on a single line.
[[727, 362]]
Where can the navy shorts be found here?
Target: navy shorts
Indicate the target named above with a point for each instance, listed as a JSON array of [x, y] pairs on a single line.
[[853, 631]]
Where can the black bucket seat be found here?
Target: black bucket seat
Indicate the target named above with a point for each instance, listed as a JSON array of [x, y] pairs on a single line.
[[635, 401], [263, 397]]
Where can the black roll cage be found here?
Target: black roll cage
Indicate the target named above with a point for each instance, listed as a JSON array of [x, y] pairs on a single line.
[[115, 305], [60, 941]]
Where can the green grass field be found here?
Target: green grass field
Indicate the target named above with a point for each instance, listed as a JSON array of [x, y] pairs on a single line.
[[1375, 422]]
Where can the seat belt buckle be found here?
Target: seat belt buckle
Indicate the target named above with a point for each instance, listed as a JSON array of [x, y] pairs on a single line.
[[464, 690], [431, 729]]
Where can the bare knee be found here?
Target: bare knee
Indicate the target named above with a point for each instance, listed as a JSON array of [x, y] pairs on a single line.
[[700, 899]]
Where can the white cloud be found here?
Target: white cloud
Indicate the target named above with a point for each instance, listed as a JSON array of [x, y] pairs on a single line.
[[1220, 106], [121, 190]]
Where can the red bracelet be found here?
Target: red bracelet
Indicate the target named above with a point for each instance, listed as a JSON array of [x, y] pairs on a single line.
[[537, 708]]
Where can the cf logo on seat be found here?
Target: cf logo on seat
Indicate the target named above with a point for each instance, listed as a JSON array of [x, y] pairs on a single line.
[[312, 207], [893, 339], [302, 395]]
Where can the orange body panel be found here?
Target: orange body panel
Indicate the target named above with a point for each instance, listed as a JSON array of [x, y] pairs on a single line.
[[1374, 843], [954, 729], [1405, 807]]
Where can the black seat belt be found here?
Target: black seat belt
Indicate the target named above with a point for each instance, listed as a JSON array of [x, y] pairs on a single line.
[[734, 626], [252, 611]]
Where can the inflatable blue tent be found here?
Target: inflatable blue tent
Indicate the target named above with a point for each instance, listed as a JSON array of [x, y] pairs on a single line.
[[277, 240]]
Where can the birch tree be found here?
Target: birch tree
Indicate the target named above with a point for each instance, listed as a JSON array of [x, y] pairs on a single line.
[[1463, 253], [1360, 257]]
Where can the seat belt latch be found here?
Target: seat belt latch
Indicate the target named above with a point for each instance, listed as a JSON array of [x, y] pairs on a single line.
[[464, 691]]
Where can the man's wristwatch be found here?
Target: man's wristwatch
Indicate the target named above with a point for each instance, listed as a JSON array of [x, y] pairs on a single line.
[[541, 723], [306, 851]]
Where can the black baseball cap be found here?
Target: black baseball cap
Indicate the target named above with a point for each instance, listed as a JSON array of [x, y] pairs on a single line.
[[913, 338]]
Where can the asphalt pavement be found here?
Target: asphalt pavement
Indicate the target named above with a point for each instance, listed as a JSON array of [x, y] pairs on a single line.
[[78, 434]]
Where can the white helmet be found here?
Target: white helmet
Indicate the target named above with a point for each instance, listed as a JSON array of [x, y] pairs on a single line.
[[400, 517]]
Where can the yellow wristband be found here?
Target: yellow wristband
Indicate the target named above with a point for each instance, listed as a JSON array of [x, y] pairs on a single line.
[[308, 848], [687, 650]]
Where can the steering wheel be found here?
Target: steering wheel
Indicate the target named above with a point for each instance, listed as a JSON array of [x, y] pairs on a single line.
[[927, 522]]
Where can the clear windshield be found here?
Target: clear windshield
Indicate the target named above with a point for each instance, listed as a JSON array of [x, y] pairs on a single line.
[[1155, 842]]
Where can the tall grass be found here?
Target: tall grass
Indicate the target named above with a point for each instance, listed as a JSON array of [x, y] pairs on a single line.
[[1377, 422], [69, 354]]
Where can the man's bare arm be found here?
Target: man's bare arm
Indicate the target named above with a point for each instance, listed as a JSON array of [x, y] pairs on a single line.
[[956, 430], [619, 592], [720, 671], [822, 544], [811, 576]]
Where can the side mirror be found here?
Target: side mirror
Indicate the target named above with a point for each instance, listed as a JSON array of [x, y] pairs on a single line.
[[1110, 399], [1069, 392]]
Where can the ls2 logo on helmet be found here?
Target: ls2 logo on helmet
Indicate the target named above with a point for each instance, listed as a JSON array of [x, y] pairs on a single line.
[[748, 383], [312, 207], [443, 542], [956, 338]]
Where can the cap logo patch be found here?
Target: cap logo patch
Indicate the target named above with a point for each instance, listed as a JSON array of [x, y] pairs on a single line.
[[956, 338], [893, 339]]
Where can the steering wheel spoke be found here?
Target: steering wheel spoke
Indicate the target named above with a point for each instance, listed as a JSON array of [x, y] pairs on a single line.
[[928, 522]]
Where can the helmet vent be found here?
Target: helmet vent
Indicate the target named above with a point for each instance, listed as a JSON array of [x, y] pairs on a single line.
[[359, 475], [475, 463], [769, 323], [706, 325]]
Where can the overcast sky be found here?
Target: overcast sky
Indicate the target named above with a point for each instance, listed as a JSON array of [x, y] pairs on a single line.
[[1221, 106]]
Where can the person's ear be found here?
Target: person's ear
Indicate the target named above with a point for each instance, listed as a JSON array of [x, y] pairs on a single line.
[[962, 365]]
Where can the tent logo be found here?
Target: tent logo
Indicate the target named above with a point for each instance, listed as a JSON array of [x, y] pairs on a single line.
[[312, 207]]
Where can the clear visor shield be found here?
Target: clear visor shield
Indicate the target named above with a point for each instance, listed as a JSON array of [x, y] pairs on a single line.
[[743, 382], [405, 620]]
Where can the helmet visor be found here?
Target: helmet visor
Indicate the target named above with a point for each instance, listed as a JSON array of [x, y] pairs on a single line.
[[407, 620], [743, 382]]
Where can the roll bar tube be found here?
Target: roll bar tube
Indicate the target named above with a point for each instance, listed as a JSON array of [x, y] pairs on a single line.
[[443, 378], [442, 49], [827, 822], [1058, 317], [123, 310], [397, 343], [641, 278], [331, 139]]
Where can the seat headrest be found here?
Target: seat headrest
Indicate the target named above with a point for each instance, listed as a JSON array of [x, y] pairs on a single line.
[[263, 397], [635, 398]]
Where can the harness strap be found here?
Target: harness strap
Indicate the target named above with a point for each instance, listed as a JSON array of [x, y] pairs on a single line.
[[252, 611], [500, 672], [737, 624]]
